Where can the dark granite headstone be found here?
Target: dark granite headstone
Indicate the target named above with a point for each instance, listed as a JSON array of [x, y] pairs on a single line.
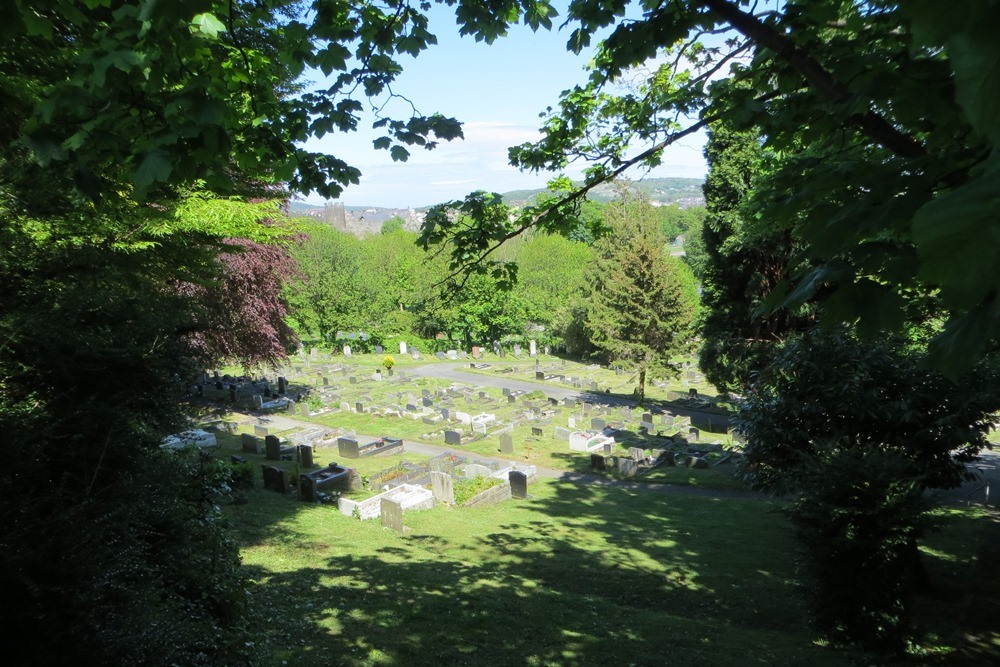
[[598, 462], [535, 430], [452, 438], [274, 479], [272, 448], [518, 484], [306, 456]]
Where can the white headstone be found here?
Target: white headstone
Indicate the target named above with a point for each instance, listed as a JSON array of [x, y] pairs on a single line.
[[402, 347], [347, 350], [532, 348]]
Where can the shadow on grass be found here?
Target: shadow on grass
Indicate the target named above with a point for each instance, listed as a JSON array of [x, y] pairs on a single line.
[[575, 575]]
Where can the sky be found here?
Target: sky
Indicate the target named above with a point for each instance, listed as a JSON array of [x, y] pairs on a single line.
[[497, 91]]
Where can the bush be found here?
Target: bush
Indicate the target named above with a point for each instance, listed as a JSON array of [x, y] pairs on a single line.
[[858, 520]]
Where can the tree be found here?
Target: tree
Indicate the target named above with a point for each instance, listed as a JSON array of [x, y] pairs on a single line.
[[643, 302], [879, 111], [393, 224], [858, 430], [745, 260]]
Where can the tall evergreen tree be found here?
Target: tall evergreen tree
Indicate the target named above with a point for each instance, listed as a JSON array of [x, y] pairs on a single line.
[[643, 302], [744, 261]]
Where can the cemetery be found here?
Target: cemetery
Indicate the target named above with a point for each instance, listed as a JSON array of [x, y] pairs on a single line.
[[487, 477]]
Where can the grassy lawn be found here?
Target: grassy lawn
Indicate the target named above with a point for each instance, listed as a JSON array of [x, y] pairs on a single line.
[[572, 576], [575, 575]]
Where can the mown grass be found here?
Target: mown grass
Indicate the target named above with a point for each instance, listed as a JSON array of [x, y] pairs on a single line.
[[575, 575], [572, 576]]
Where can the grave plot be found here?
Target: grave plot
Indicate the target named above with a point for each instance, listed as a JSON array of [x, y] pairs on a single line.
[[349, 448], [409, 496], [327, 484]]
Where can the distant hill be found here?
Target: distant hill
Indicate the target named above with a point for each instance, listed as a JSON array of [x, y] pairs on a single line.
[[683, 191]]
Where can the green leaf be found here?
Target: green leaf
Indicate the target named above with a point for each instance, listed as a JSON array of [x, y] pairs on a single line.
[[399, 154], [155, 167], [207, 25], [975, 56], [382, 143]]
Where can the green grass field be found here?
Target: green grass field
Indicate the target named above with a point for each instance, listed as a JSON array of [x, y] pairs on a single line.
[[574, 575]]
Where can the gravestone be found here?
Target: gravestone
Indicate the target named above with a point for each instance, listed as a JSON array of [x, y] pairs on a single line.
[[274, 478], [378, 349], [535, 430], [539, 375], [532, 348], [326, 381], [598, 462], [272, 448], [518, 484], [647, 417], [561, 433], [258, 400], [506, 444], [597, 424], [627, 467], [402, 347], [392, 514], [474, 470], [479, 427], [517, 350], [445, 414], [496, 347], [249, 443], [428, 402], [627, 413], [452, 438], [694, 433], [347, 350], [637, 454], [697, 462], [306, 456], [304, 409], [352, 380], [443, 487], [282, 384], [511, 398], [359, 407]]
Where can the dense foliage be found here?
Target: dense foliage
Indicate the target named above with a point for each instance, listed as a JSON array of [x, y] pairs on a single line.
[[858, 431]]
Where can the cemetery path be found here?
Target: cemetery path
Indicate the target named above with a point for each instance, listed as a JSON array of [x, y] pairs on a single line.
[[452, 373]]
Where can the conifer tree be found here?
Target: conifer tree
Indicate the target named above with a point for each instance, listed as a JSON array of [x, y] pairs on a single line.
[[643, 301]]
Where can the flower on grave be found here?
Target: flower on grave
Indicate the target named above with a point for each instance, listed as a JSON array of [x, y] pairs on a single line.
[[388, 361]]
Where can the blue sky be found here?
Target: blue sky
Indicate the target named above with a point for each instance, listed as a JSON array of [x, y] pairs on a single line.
[[497, 91]]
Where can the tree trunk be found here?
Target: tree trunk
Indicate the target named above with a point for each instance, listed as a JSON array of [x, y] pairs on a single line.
[[642, 386]]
